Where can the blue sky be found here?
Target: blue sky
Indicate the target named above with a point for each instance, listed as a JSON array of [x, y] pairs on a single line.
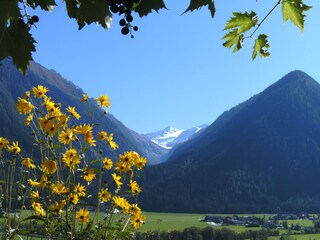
[[175, 71]]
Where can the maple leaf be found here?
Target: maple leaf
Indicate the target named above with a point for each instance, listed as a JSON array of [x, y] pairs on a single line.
[[196, 4], [146, 6], [242, 21], [261, 46], [233, 39], [294, 10]]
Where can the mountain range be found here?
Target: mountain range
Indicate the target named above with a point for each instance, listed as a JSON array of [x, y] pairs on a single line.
[[13, 85], [262, 155], [170, 137]]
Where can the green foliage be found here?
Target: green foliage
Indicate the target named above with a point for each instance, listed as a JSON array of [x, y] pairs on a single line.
[[294, 10], [146, 6], [196, 4], [233, 39], [261, 46], [242, 21]]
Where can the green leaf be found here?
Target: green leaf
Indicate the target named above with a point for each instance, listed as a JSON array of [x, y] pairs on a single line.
[[94, 11], [72, 8], [18, 43], [233, 39], [196, 4], [47, 5], [261, 46], [146, 6], [8, 10], [294, 10], [242, 21]]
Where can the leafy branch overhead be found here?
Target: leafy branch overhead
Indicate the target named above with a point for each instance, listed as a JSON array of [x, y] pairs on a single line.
[[17, 42], [241, 23]]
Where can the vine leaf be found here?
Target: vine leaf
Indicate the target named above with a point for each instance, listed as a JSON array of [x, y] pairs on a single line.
[[242, 21], [294, 10], [146, 6], [47, 5], [9, 9], [17, 43], [72, 8], [261, 46], [233, 39], [196, 4]]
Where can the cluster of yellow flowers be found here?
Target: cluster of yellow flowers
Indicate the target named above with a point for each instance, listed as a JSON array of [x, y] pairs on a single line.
[[61, 182]]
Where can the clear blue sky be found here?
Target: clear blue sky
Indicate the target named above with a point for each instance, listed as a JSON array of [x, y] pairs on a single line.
[[175, 71]]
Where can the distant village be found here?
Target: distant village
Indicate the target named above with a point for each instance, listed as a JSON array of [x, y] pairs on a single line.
[[272, 222]]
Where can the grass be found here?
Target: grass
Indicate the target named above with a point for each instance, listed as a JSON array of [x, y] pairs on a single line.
[[299, 237]]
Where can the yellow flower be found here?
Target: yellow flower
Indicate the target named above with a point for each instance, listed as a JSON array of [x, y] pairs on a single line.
[[89, 174], [137, 220], [135, 188], [39, 91], [33, 183], [34, 195], [103, 100], [14, 147], [107, 163], [121, 202], [63, 120], [83, 215], [73, 198], [80, 190], [102, 135], [117, 179], [72, 111], [112, 144], [28, 120], [71, 158], [57, 207], [84, 97], [82, 129], [59, 188], [28, 163], [26, 95], [37, 207], [104, 195], [88, 137], [133, 209], [3, 142], [23, 106], [49, 166], [50, 127], [66, 137], [140, 162]]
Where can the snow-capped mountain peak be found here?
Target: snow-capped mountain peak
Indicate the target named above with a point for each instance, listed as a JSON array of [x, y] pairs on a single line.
[[170, 136]]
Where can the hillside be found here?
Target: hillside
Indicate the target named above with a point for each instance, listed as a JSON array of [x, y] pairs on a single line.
[[260, 156], [13, 85]]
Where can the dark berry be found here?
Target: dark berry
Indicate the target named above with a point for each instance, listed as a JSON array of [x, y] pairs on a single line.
[[122, 9], [35, 19], [129, 18], [114, 8], [135, 28], [122, 22], [128, 11], [20, 21], [125, 30]]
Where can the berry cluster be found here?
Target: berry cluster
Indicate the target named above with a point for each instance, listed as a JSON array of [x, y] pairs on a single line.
[[31, 20], [124, 7]]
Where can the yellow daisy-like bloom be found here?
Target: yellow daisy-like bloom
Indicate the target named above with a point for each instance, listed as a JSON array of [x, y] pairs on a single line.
[[34, 195], [63, 120], [117, 179], [107, 163], [73, 198], [104, 195], [39, 211], [88, 174], [137, 220], [50, 127], [28, 120], [71, 158], [120, 202], [14, 147], [102, 135], [3, 142], [83, 215], [58, 207], [66, 137], [82, 129], [140, 162], [26, 95], [135, 188], [88, 137], [72, 111], [33, 183], [44, 181], [59, 188], [24, 107], [80, 190], [84, 97], [49, 166], [39, 91], [103, 100], [134, 209], [28, 163], [112, 143]]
